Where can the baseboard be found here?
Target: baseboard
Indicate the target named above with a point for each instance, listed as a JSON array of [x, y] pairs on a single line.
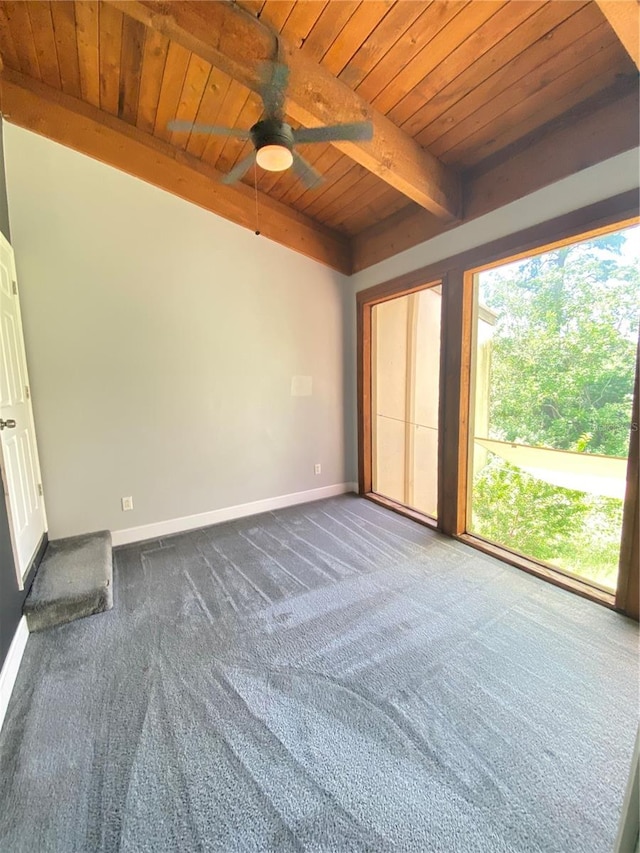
[[11, 665], [215, 516]]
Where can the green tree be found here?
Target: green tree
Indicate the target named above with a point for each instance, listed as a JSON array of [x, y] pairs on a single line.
[[524, 513], [562, 370], [563, 348]]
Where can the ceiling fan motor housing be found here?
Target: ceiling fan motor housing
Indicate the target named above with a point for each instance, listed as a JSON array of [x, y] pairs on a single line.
[[272, 132]]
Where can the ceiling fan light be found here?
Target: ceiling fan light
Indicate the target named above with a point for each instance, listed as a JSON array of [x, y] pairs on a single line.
[[274, 158]]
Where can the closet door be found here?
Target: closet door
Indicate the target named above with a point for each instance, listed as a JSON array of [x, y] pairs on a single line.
[[405, 378]]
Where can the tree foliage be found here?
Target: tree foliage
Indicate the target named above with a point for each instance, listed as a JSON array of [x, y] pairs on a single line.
[[564, 348], [562, 371]]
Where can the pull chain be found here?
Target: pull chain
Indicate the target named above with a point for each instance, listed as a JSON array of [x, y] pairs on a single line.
[[255, 186]]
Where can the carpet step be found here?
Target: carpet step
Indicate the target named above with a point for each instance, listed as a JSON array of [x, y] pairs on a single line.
[[75, 579]]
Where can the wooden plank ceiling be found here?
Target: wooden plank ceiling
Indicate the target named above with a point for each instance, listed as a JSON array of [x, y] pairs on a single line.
[[474, 84]]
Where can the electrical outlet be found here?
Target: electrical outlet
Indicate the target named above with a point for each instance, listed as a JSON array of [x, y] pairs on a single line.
[[317, 468], [127, 504]]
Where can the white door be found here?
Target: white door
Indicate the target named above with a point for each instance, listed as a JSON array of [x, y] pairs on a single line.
[[18, 451]]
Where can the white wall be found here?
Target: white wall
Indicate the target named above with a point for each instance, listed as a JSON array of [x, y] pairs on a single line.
[[162, 339], [606, 179], [161, 342]]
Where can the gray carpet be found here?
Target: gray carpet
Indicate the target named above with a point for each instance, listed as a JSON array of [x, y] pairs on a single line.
[[74, 580], [330, 677]]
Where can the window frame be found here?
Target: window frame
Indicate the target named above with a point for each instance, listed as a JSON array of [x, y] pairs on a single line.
[[456, 274]]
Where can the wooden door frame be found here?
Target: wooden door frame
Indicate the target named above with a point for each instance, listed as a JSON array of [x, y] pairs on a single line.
[[456, 275], [366, 392], [628, 592]]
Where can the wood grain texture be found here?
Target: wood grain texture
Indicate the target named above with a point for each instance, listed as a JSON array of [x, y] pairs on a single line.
[[532, 69], [387, 82], [375, 202], [577, 141], [467, 35], [623, 17], [211, 102], [474, 83], [45, 42], [133, 35], [628, 592], [228, 115], [175, 69], [233, 149], [84, 128], [572, 144], [335, 198], [455, 377], [110, 29], [274, 13], [314, 96], [64, 25], [535, 109], [17, 16], [450, 41], [87, 32], [478, 57], [361, 23], [7, 45], [156, 47], [375, 46], [481, 80], [327, 28], [325, 159], [341, 177], [371, 198], [301, 20], [195, 81]]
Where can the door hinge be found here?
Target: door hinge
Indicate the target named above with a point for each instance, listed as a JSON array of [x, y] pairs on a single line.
[[40, 492], [27, 392], [14, 287]]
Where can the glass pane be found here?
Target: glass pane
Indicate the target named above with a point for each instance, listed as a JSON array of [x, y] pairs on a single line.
[[406, 377], [555, 349]]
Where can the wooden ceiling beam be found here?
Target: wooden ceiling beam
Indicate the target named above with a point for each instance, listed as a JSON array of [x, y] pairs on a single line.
[[624, 18], [81, 126], [550, 154], [231, 39]]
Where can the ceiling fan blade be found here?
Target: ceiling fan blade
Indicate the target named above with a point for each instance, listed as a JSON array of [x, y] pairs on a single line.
[[240, 169], [191, 127], [305, 171], [351, 132], [274, 79]]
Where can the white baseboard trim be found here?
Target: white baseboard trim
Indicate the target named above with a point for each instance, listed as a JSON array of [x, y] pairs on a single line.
[[11, 665], [215, 516]]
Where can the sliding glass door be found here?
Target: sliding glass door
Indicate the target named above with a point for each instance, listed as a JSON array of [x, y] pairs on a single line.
[[524, 441], [553, 364], [405, 377]]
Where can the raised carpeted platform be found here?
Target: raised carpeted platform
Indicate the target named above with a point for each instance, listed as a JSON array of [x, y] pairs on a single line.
[[330, 677], [75, 579]]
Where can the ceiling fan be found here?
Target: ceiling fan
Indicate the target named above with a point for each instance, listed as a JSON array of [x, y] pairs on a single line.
[[273, 139]]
